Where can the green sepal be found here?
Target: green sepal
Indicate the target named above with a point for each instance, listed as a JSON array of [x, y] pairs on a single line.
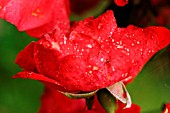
[[89, 102], [80, 95], [107, 100]]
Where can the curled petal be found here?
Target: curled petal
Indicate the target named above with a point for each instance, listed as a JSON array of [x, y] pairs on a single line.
[[34, 76]]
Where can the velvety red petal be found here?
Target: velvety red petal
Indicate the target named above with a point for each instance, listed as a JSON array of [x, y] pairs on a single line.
[[121, 2], [133, 109], [98, 29], [40, 16], [34, 76], [25, 58], [53, 101], [87, 65], [46, 59], [133, 47]]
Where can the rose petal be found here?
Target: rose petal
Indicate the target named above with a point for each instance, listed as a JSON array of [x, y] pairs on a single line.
[[55, 102], [25, 58], [34, 76], [98, 29], [46, 58], [37, 17], [133, 47], [133, 109]]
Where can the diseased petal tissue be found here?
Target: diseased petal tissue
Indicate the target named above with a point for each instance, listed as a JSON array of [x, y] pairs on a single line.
[[37, 18], [96, 53]]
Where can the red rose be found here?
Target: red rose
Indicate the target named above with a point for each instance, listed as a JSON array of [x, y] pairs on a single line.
[[37, 18], [94, 55], [54, 102]]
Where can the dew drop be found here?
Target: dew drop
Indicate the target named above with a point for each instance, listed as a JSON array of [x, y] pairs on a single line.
[[123, 75], [133, 60], [133, 44], [99, 25], [102, 59], [113, 69], [138, 42], [90, 72], [89, 66], [119, 46], [89, 46]]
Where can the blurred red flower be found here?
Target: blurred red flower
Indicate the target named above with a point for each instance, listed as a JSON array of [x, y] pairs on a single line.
[[167, 108], [53, 101], [95, 54], [121, 2], [36, 18]]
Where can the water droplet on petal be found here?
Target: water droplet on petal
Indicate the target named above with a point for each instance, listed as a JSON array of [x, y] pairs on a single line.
[[89, 46], [138, 42], [119, 46], [99, 25]]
